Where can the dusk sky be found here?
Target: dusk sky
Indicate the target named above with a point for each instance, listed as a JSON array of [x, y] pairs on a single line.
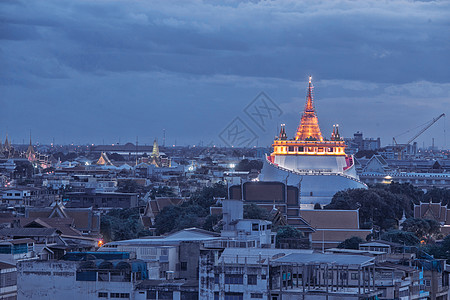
[[94, 71]]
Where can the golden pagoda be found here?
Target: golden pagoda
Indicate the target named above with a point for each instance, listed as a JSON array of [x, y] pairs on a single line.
[[30, 153], [308, 139], [156, 158], [309, 125], [314, 167]]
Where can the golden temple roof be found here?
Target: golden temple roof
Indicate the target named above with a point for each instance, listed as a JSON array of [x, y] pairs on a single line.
[[309, 125]]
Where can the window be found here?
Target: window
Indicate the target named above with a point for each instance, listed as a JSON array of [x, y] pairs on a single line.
[[102, 295], [252, 279], [165, 295], [120, 295], [183, 266], [291, 149], [234, 279], [255, 227], [234, 296], [263, 277], [300, 149], [151, 295], [354, 276], [256, 295], [216, 278]]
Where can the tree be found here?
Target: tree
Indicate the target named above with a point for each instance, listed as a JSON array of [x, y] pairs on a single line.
[[166, 220], [122, 224], [421, 227], [317, 206], [205, 197], [192, 213], [401, 237], [211, 221], [379, 206], [351, 243], [127, 186], [253, 211], [248, 165], [286, 233], [437, 195]]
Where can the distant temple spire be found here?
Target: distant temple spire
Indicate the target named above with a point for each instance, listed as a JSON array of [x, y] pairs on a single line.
[[156, 158], [104, 160], [31, 154], [7, 143], [155, 152], [337, 136], [309, 125], [283, 135]]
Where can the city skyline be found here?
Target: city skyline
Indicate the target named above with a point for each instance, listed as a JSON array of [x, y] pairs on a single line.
[[88, 72]]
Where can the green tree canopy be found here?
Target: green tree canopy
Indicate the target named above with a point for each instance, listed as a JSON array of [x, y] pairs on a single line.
[[401, 237], [378, 206], [421, 227], [248, 165], [351, 243], [122, 224], [287, 232], [253, 211], [193, 213]]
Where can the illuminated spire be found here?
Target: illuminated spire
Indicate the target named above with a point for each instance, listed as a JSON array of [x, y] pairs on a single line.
[[309, 125], [337, 136], [155, 152], [31, 154], [283, 135], [156, 158]]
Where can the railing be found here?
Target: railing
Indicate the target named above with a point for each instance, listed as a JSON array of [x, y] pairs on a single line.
[[312, 173]]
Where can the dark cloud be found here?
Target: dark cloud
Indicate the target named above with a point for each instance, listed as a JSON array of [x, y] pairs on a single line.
[[191, 67]]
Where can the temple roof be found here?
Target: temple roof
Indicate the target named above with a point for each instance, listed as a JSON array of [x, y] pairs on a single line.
[[309, 125]]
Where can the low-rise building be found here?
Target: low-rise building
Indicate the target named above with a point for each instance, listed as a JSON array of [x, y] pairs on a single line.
[[102, 200], [8, 281], [87, 275]]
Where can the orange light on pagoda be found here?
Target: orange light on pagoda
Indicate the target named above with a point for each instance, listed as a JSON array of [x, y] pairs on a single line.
[[309, 125]]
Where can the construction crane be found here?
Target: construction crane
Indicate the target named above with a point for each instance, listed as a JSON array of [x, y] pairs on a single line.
[[401, 147]]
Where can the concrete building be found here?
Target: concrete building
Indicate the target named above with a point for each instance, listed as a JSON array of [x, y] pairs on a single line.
[[358, 143], [285, 274], [88, 275], [8, 281], [28, 196], [17, 250], [378, 170], [176, 253], [102, 200]]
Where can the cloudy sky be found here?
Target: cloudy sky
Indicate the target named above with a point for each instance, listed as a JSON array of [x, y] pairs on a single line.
[[108, 71]]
